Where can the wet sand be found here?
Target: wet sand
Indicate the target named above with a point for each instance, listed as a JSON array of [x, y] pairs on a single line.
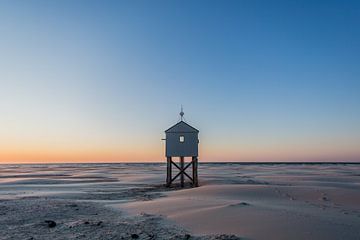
[[128, 201]]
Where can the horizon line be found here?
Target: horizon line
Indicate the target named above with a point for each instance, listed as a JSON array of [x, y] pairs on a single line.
[[206, 162]]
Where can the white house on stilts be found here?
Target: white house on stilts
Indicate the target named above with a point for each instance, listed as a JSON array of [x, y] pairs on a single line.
[[182, 141]]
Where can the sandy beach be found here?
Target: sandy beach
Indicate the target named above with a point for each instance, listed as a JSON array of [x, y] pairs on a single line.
[[179, 120], [129, 201]]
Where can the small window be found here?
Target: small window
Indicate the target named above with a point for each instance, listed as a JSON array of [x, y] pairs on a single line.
[[182, 139]]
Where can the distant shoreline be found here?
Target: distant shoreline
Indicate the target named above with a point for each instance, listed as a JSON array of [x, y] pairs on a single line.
[[159, 163]]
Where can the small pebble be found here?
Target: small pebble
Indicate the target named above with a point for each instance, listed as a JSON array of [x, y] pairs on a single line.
[[134, 236], [50, 223]]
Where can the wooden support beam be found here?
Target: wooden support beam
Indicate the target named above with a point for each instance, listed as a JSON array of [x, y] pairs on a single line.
[[189, 164], [173, 179], [168, 171], [182, 171], [191, 179], [172, 162], [179, 175], [195, 171]]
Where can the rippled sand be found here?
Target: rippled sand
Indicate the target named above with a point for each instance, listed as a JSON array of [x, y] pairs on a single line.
[[116, 201]]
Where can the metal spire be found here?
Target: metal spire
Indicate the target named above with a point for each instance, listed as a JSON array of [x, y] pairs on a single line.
[[182, 113]]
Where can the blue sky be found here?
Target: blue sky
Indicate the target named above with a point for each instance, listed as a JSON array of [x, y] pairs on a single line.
[[263, 81]]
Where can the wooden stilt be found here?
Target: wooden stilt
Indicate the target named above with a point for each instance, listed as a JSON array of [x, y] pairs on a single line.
[[168, 172], [195, 171], [182, 171]]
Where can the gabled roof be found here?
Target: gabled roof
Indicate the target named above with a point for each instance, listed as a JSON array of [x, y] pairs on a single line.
[[182, 127]]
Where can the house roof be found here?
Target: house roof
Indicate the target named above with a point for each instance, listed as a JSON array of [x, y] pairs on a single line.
[[181, 127]]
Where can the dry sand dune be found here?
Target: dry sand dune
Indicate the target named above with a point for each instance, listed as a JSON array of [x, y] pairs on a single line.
[[128, 201]]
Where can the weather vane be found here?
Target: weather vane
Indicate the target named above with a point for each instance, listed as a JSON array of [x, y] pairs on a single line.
[[182, 113]]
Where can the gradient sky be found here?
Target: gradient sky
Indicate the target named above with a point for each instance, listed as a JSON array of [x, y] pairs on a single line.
[[101, 80]]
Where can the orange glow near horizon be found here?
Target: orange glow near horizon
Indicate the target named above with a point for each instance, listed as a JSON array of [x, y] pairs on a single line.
[[156, 154], [97, 156], [77, 153], [83, 148]]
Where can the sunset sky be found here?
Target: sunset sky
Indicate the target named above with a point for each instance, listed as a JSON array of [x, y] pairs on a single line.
[[100, 81]]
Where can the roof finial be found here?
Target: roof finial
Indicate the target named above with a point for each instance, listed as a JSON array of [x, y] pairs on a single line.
[[182, 113]]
